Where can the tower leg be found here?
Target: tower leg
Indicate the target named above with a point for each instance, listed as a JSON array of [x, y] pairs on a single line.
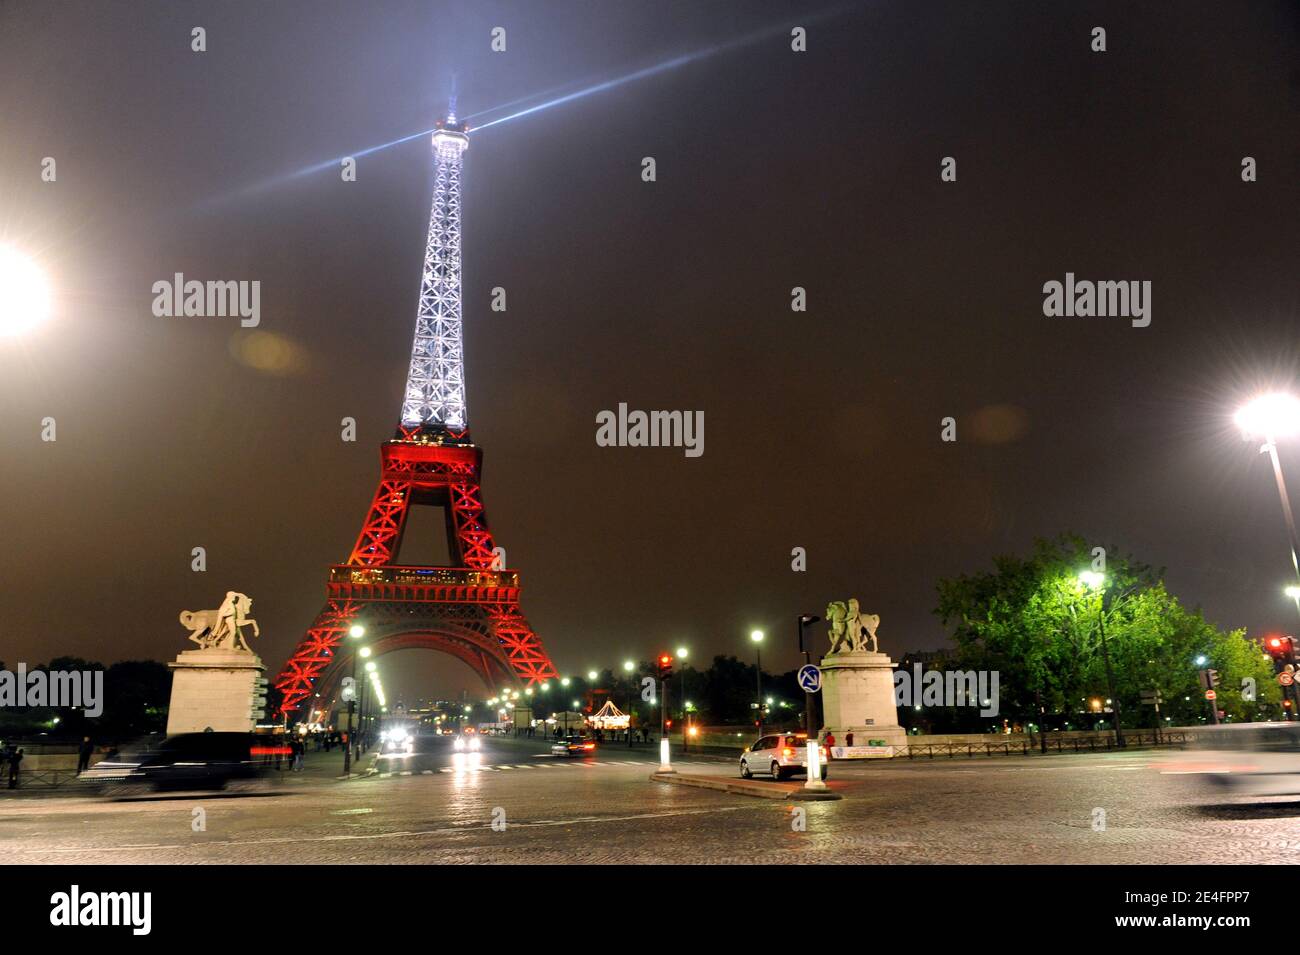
[[315, 653]]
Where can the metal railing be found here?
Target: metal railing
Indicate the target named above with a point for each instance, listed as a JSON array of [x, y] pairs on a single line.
[[1101, 743]]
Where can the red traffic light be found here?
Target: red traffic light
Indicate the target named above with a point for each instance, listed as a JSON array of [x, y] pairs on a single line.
[[665, 664], [1281, 649]]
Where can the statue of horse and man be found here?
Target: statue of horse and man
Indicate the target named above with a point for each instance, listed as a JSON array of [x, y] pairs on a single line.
[[851, 629], [220, 629]]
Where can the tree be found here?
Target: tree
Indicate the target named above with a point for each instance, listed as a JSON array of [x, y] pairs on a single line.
[[1036, 622]]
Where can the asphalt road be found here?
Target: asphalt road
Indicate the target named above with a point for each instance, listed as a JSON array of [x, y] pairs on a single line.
[[513, 804]]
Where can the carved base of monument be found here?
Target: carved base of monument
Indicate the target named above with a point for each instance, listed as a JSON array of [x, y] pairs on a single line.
[[214, 689], [858, 698]]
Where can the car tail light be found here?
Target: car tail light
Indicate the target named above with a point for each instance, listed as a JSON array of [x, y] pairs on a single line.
[[787, 752], [590, 746]]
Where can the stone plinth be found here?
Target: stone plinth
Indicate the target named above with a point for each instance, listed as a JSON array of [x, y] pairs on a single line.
[[858, 698], [214, 689]]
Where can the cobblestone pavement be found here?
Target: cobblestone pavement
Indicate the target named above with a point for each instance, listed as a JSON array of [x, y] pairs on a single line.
[[1037, 809]]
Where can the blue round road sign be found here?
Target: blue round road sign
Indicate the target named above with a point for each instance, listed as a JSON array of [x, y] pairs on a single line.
[[810, 678]]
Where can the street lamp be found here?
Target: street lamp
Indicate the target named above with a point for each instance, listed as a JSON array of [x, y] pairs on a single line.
[[1269, 417], [757, 637], [24, 293], [1092, 580], [356, 632], [593, 676], [682, 654]]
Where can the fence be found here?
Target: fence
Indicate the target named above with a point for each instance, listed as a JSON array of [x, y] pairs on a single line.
[[1025, 746]]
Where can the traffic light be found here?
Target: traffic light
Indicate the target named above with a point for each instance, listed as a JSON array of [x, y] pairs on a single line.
[[1214, 678], [1281, 649], [665, 665]]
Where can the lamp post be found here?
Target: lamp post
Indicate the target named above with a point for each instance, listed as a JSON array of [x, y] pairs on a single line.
[[807, 619], [1094, 581], [682, 654], [757, 637], [1269, 417], [356, 633], [628, 667]]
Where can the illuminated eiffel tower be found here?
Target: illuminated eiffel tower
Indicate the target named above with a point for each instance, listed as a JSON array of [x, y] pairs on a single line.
[[469, 609]]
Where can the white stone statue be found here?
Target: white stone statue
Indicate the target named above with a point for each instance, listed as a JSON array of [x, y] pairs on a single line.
[[848, 626], [220, 629]]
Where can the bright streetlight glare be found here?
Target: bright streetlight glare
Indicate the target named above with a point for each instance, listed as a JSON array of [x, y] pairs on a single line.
[[1201, 661], [628, 665], [24, 293], [365, 652], [357, 631], [1090, 578], [1293, 592], [593, 675], [1273, 415], [682, 653], [756, 636], [564, 682], [370, 667]]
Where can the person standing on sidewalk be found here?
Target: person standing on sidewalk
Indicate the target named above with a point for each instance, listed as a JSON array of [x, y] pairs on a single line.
[[84, 752], [15, 759]]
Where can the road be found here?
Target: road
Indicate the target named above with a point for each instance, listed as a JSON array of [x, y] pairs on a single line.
[[606, 809]]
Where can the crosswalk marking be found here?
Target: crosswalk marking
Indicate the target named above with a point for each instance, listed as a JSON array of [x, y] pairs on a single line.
[[557, 764]]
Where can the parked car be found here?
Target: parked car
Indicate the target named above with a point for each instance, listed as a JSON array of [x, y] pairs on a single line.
[[781, 755], [234, 761], [574, 746]]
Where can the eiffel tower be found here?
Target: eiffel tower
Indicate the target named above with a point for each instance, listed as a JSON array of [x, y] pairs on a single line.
[[471, 608]]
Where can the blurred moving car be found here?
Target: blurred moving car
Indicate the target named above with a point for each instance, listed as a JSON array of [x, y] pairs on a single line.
[[232, 761], [397, 741], [467, 742], [574, 746], [781, 755], [1247, 759]]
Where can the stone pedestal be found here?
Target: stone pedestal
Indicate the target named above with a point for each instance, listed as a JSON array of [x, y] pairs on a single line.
[[214, 689], [858, 698]]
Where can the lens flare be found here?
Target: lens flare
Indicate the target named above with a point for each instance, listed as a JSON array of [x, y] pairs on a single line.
[[24, 293]]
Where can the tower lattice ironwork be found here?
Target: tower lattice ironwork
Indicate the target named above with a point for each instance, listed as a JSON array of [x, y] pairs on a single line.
[[469, 609]]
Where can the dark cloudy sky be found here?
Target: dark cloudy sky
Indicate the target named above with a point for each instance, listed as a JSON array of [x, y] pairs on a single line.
[[775, 170]]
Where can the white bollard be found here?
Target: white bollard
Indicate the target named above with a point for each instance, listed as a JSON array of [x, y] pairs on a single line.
[[665, 764], [814, 767]]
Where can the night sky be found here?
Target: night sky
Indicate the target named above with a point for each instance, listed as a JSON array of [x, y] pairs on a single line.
[[775, 169]]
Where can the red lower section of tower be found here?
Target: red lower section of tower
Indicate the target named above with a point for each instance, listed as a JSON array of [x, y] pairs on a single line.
[[470, 610]]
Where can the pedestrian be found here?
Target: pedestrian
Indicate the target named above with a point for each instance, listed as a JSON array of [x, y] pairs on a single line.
[[848, 738], [299, 751], [84, 752], [15, 758], [830, 742]]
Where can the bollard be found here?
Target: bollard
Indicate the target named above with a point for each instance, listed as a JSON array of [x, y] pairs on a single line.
[[665, 763], [814, 767]]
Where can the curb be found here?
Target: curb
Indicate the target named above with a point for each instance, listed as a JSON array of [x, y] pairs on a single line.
[[740, 788]]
